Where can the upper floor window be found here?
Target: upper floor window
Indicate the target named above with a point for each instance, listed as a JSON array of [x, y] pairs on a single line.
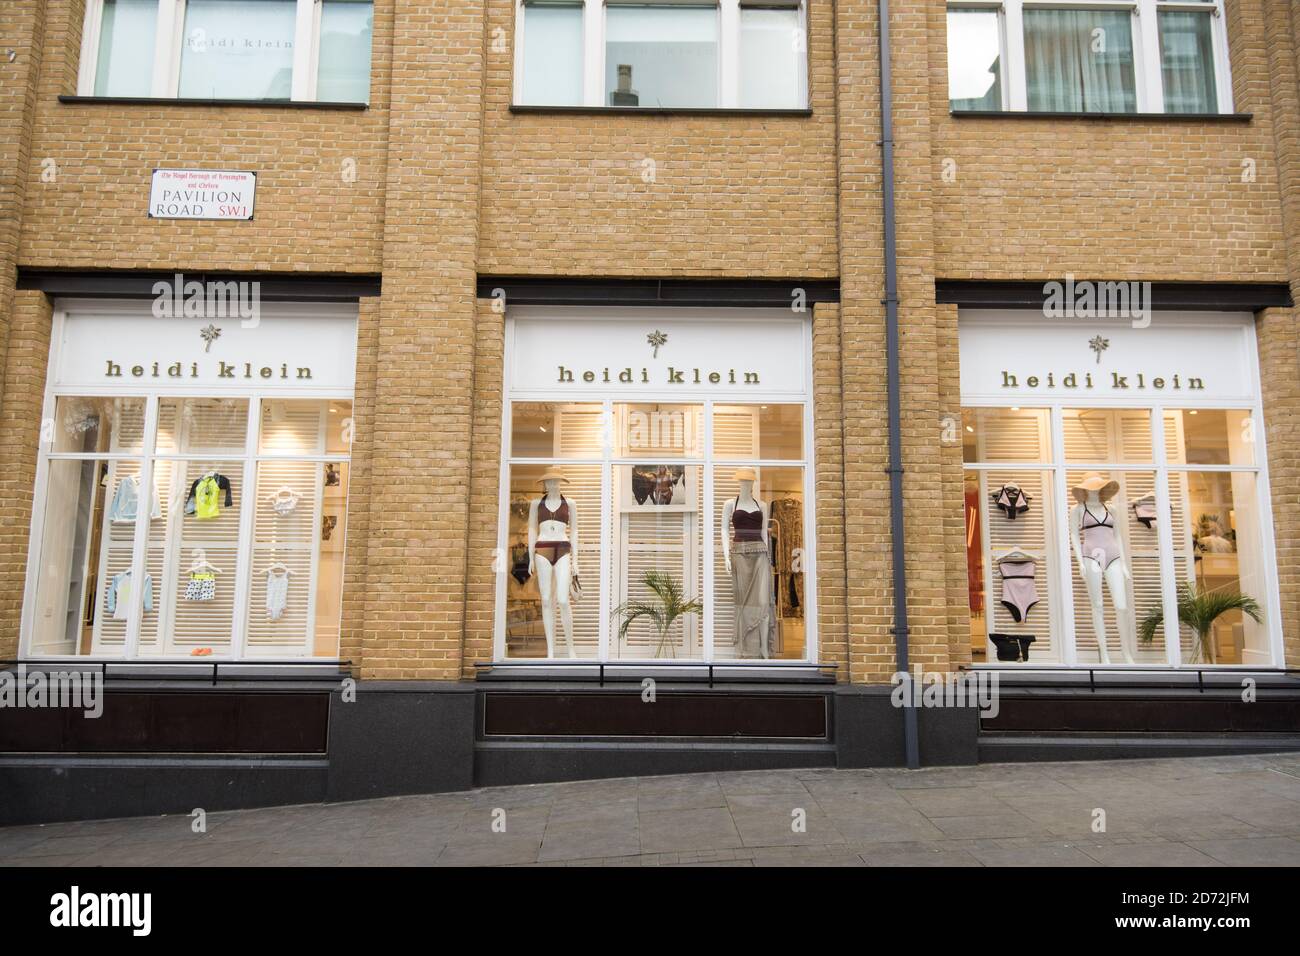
[[1088, 56], [659, 54], [304, 50]]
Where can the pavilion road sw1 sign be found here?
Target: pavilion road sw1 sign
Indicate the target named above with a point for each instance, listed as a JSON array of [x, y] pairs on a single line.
[[202, 194]]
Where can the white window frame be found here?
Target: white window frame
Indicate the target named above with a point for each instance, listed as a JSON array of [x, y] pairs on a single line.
[[1056, 467], [708, 463], [1147, 67], [593, 47], [169, 40], [248, 459]]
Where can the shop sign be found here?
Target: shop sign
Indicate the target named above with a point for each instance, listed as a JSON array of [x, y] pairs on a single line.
[[202, 194], [1177, 357], [704, 354]]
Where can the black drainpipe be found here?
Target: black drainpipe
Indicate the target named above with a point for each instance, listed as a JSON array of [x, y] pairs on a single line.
[[910, 745]]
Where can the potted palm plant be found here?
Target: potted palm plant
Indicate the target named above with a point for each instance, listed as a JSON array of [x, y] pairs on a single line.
[[664, 606], [1199, 610]]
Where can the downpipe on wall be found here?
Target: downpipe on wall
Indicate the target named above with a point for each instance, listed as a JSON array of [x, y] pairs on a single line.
[[911, 747]]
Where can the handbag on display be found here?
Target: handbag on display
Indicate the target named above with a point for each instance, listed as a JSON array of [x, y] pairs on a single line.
[[1012, 647]]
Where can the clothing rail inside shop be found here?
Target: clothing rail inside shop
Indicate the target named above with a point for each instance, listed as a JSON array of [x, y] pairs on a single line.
[[614, 672], [194, 671], [1145, 678]]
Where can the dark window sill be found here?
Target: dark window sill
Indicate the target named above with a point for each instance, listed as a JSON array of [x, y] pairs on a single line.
[[657, 111], [1138, 117], [172, 101]]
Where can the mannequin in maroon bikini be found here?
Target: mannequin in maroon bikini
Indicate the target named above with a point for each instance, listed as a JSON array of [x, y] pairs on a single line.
[[553, 556]]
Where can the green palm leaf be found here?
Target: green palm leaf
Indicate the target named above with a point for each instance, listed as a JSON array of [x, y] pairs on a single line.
[[662, 610], [1199, 610]]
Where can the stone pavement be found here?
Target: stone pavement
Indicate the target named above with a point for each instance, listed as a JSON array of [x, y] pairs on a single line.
[[1208, 811]]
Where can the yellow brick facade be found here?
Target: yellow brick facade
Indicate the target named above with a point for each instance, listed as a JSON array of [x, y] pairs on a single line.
[[438, 182]]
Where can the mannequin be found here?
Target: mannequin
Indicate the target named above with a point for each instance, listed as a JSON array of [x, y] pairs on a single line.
[[553, 556], [747, 556], [1099, 551]]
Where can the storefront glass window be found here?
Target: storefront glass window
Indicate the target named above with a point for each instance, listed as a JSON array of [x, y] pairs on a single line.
[[554, 536], [760, 561], [650, 486], [1065, 560], [210, 556], [1219, 560]]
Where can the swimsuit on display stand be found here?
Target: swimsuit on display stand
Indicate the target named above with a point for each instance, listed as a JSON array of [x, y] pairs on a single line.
[[1019, 592], [1098, 539]]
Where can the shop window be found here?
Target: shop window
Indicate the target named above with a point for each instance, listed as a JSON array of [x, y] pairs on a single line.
[[255, 50], [1086, 56], [662, 55], [143, 547], [645, 497], [1219, 557], [760, 561], [1068, 554], [554, 538]]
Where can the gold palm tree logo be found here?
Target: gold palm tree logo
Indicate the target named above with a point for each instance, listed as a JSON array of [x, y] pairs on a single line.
[[209, 335], [1099, 345], [657, 338]]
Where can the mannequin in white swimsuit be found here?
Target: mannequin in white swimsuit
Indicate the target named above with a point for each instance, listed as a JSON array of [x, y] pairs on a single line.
[[1099, 551]]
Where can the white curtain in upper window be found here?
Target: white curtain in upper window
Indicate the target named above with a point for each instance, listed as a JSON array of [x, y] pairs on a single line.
[[343, 63], [124, 63], [1187, 62], [238, 49], [1080, 61]]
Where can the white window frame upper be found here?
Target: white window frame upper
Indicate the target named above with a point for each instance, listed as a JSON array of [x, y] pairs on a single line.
[[708, 463], [148, 454], [593, 48], [1147, 69], [170, 38]]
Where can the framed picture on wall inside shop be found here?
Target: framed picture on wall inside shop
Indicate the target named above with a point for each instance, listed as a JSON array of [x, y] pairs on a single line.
[[659, 487]]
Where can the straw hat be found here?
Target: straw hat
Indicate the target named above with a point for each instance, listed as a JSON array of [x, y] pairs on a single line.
[[1092, 481], [552, 474], [745, 474]]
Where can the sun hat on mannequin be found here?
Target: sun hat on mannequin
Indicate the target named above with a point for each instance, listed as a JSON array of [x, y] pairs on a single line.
[[1106, 488], [552, 474], [745, 474]]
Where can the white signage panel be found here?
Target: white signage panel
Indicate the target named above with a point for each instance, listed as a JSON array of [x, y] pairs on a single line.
[[729, 353], [202, 194], [291, 349], [1179, 358]]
